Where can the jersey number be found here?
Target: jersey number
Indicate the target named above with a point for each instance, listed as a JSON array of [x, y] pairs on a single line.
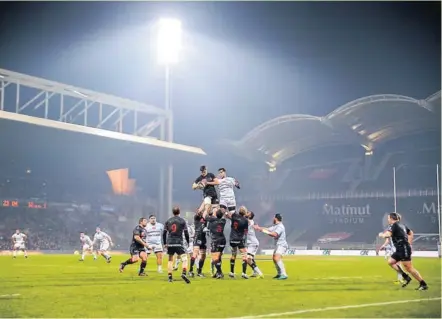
[[173, 228], [219, 229], [235, 225]]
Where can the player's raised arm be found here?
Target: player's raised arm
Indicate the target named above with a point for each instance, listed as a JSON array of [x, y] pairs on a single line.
[[237, 185], [196, 183], [215, 181]]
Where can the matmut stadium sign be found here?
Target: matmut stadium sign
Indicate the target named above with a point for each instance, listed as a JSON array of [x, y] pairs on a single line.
[[346, 214]]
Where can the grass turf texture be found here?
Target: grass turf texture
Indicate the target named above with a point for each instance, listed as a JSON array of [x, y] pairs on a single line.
[[61, 286]]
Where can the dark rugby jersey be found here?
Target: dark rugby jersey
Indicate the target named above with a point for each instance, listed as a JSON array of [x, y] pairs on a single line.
[[399, 233], [209, 190], [200, 223], [240, 225], [139, 231], [216, 227], [175, 227]]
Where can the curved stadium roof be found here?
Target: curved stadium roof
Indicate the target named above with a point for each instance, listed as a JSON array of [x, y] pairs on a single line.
[[369, 121]]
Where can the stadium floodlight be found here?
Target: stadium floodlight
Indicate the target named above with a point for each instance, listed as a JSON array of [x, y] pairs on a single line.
[[169, 41]]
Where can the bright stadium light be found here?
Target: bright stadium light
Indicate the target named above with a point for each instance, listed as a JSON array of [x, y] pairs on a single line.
[[169, 41]]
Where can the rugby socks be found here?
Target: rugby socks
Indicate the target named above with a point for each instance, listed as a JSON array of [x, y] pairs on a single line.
[[82, 256], [402, 272], [281, 267], [218, 266], [201, 265], [278, 270], [127, 262], [14, 253], [232, 266], [143, 266], [212, 266], [192, 263], [169, 275], [244, 266]]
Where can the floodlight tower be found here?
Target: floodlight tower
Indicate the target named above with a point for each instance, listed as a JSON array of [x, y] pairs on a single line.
[[169, 41]]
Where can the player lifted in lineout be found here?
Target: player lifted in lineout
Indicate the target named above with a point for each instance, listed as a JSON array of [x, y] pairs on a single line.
[[86, 246], [138, 247], [173, 232], [226, 186], [400, 234], [154, 232], [205, 182], [19, 243], [105, 242], [277, 231], [238, 233]]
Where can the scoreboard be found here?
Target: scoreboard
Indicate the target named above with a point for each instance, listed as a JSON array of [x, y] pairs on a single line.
[[35, 204]]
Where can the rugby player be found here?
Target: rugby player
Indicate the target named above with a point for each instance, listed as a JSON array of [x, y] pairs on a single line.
[[400, 234], [227, 200], [188, 248], [138, 247], [154, 232], [238, 233], [199, 245], [206, 182], [252, 245], [216, 227], [173, 232], [18, 243], [86, 246], [105, 242], [277, 231]]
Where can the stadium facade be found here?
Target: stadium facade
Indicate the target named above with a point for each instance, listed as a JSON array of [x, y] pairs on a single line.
[[368, 122]]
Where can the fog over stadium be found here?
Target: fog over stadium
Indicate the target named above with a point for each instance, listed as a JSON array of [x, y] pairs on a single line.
[[325, 118]]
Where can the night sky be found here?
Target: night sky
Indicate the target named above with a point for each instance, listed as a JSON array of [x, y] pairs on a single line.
[[243, 63]]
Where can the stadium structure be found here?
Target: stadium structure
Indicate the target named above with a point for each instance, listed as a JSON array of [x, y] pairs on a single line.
[[367, 122], [332, 175]]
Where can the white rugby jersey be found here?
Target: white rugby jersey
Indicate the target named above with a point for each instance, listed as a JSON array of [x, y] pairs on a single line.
[[225, 188], [86, 240], [102, 237], [19, 238], [251, 235], [154, 233], [280, 230], [191, 230]]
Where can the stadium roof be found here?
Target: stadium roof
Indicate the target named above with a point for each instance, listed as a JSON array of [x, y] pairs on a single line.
[[369, 121]]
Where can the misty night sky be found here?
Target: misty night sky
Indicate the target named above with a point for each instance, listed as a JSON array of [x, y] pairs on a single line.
[[243, 63]]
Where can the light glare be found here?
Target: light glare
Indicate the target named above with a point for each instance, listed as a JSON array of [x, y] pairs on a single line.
[[169, 40]]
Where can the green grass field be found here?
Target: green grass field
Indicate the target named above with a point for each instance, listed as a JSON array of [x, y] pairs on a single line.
[[60, 286]]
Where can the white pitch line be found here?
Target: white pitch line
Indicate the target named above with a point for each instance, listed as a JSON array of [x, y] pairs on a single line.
[[9, 296], [377, 304]]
